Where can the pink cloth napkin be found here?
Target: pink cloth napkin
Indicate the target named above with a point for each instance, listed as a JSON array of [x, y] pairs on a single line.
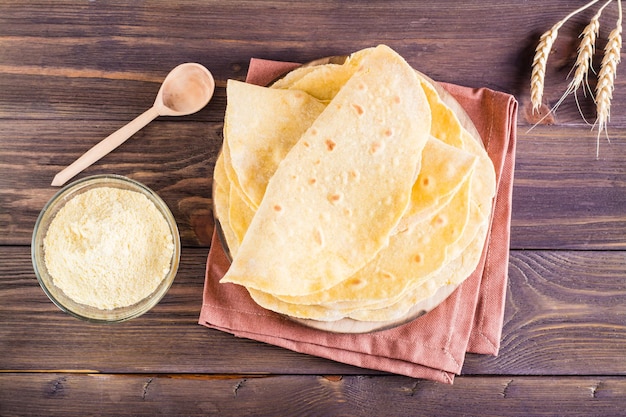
[[432, 346]]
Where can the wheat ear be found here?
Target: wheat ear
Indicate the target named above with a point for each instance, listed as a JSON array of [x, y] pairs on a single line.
[[540, 60], [586, 50], [581, 67], [606, 77], [539, 65]]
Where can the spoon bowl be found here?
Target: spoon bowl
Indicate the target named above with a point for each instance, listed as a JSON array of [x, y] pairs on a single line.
[[186, 90]]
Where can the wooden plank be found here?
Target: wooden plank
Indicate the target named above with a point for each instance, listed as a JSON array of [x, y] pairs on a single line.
[[71, 73], [67, 394], [565, 315], [58, 65], [84, 95], [286, 20], [563, 196], [36, 335], [76, 84], [174, 159]]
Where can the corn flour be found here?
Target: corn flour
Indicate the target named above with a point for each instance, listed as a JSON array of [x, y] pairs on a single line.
[[108, 248]]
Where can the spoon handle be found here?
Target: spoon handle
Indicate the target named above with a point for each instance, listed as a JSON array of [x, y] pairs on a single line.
[[105, 146]]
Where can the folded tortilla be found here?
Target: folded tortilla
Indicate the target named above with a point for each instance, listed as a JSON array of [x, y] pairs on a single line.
[[362, 192], [321, 218]]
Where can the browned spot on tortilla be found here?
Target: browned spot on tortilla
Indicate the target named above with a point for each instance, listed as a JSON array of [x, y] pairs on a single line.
[[359, 109], [335, 197], [356, 282], [376, 147], [318, 237], [330, 145]]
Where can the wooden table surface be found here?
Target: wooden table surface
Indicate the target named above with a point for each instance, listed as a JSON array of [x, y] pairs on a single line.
[[73, 72]]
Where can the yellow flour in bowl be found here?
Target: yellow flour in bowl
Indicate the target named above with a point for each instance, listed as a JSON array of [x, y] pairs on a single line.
[[108, 248]]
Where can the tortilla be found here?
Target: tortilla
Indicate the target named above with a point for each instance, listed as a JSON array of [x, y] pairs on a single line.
[[446, 126], [231, 175], [240, 214], [450, 123], [450, 275], [325, 81], [312, 241], [453, 126], [317, 210], [255, 146], [221, 204], [444, 169], [412, 254]]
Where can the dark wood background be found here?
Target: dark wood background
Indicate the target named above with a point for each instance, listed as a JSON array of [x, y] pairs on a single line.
[[73, 72]]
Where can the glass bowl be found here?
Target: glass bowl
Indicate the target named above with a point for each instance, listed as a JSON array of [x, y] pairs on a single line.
[[56, 294]]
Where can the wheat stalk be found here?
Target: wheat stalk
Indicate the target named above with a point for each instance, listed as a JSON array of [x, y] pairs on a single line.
[[581, 67], [606, 78], [540, 60]]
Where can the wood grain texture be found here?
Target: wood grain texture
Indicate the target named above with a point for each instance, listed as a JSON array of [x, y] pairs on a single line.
[[563, 196], [71, 73], [307, 395], [166, 339], [59, 64], [565, 315], [174, 159]]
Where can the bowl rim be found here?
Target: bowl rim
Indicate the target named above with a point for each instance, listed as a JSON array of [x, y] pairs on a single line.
[[68, 192]]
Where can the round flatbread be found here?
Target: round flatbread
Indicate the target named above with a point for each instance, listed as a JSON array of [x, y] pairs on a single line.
[[358, 161], [352, 257]]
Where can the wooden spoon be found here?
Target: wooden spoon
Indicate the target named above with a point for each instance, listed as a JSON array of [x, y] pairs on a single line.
[[185, 90]]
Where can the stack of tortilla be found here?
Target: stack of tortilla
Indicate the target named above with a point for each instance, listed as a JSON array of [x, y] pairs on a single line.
[[350, 191]]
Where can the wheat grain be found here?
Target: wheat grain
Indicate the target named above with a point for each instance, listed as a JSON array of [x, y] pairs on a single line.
[[606, 78], [583, 60], [540, 60], [581, 67], [586, 50]]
